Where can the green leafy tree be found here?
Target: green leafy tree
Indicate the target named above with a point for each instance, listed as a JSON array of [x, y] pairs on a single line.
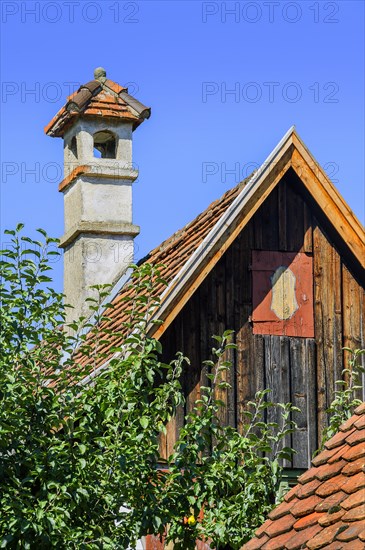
[[79, 443]]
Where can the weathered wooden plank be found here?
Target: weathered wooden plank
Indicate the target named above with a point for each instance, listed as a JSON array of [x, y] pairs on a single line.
[[191, 348], [295, 219], [230, 269], [223, 394], [299, 398], [266, 227], [277, 379], [282, 217], [308, 229], [353, 304], [328, 320], [313, 442]]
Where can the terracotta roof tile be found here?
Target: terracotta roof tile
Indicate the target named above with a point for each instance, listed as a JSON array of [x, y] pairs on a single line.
[[354, 467], [308, 489], [280, 526], [309, 475], [331, 486], [308, 520], [360, 423], [353, 545], [325, 455], [360, 409], [355, 514], [354, 483], [329, 470], [326, 509], [355, 452], [339, 455], [256, 544], [305, 506], [331, 517], [277, 543], [356, 499], [352, 532], [348, 424], [97, 98], [325, 536], [281, 510], [338, 439], [331, 501], [299, 538], [357, 436]]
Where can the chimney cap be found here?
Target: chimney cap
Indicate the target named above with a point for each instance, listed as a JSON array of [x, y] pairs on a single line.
[[99, 73]]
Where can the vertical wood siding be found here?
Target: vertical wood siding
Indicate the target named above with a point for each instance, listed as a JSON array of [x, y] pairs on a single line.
[[300, 370]]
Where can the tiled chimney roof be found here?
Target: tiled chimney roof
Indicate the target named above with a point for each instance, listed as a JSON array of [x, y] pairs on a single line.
[[100, 97], [327, 507]]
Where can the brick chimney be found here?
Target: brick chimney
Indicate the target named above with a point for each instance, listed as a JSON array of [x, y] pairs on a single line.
[[97, 125]]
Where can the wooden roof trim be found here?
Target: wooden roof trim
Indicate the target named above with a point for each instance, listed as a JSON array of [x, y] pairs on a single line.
[[223, 233], [338, 213], [332, 191]]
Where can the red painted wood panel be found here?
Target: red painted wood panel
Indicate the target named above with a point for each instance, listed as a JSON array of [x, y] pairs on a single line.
[[282, 286]]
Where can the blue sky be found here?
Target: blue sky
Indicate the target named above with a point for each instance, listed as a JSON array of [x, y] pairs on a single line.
[[225, 80]]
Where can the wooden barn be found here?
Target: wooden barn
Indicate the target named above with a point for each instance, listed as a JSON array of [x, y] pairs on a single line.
[[280, 259]]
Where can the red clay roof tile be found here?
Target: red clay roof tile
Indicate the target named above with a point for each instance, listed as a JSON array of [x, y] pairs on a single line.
[[331, 501], [360, 409], [281, 510], [354, 452], [277, 543], [338, 439], [360, 423], [255, 543], [357, 436], [354, 483], [348, 424], [308, 520], [325, 537], [331, 518], [305, 506], [308, 489], [329, 470], [299, 538], [325, 455], [280, 526], [352, 531], [308, 475], [356, 499], [353, 467], [355, 514], [331, 486]]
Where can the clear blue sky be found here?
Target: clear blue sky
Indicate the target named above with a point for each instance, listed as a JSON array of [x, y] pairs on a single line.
[[288, 63]]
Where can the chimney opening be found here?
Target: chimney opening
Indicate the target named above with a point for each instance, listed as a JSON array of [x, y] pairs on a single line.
[[104, 145], [73, 146]]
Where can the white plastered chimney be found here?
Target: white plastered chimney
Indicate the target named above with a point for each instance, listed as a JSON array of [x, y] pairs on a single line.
[[97, 126]]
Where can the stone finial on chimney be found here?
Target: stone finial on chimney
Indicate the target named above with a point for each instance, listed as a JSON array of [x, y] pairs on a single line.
[[96, 125]]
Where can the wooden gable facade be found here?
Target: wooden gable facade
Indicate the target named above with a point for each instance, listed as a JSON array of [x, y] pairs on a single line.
[[287, 224]]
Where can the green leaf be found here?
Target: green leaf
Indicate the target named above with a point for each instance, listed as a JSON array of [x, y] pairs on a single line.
[[144, 421]]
